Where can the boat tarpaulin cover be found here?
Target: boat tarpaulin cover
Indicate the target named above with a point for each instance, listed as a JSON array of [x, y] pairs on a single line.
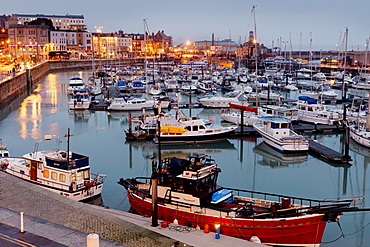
[[222, 196], [178, 164], [308, 99]]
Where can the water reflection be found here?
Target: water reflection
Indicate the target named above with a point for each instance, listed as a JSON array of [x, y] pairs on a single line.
[[30, 113], [275, 159], [149, 148], [80, 115]]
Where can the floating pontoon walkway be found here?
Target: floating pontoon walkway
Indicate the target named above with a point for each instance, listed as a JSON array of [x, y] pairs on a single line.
[[327, 153]]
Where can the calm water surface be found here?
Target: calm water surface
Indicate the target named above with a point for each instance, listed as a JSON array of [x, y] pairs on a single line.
[[246, 163]]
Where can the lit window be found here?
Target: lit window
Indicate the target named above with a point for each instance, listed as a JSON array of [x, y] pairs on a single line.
[[54, 175], [62, 177], [46, 173], [79, 176], [73, 178], [86, 174]]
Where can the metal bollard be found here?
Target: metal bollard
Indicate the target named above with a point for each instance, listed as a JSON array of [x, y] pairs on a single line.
[[22, 223], [92, 240]]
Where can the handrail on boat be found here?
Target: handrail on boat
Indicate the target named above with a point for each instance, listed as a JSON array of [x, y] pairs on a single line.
[[355, 200]]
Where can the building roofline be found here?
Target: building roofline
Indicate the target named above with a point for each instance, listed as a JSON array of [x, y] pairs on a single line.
[[52, 16]]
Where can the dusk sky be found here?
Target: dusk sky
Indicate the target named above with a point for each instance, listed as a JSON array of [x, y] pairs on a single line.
[[291, 21]]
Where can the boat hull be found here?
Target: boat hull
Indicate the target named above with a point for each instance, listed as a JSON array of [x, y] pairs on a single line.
[[296, 231], [361, 137], [196, 137], [77, 195]]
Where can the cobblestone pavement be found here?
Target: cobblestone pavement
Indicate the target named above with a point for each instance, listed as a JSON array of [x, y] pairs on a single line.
[[23, 196]]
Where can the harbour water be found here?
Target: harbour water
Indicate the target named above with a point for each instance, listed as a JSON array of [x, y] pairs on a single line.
[[246, 163]]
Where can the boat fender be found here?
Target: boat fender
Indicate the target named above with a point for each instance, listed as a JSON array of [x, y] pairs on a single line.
[[255, 239], [206, 228], [72, 187], [175, 221], [4, 163]]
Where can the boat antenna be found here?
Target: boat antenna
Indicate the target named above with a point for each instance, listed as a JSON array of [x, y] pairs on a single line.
[[68, 135]]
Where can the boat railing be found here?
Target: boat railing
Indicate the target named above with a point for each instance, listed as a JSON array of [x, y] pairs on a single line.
[[352, 201], [293, 138], [99, 177]]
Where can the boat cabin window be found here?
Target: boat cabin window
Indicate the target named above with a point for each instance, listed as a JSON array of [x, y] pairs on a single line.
[[54, 175], [79, 176], [195, 128], [188, 128], [202, 127], [279, 125], [204, 185], [86, 174], [73, 178], [46, 173], [62, 177]]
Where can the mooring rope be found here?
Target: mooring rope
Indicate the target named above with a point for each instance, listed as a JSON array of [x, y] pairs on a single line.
[[344, 235]]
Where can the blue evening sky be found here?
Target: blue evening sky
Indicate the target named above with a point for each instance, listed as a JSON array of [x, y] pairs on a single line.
[[293, 22]]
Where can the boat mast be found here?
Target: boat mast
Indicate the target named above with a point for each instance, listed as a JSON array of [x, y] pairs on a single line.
[[344, 65], [344, 96], [154, 172], [255, 50], [145, 58]]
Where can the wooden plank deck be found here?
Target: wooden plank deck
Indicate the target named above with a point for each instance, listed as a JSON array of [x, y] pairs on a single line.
[[327, 153]]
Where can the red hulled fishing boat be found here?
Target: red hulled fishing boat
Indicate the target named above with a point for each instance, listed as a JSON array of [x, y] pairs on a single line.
[[186, 190]]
